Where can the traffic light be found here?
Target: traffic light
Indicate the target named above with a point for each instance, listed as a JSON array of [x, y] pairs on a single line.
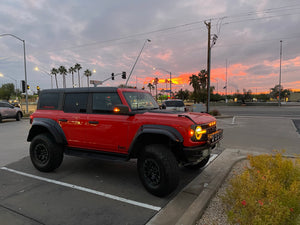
[[23, 86], [123, 75], [28, 87], [38, 88], [112, 76]]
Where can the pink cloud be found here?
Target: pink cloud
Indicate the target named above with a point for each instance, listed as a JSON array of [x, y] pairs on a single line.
[[165, 56], [58, 59]]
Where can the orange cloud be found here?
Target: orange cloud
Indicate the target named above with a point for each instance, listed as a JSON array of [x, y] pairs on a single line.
[[181, 79]]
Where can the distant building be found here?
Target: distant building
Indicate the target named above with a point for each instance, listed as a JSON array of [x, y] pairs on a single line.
[[294, 97]]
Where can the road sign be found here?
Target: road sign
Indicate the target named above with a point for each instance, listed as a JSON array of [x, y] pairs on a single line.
[[96, 82]]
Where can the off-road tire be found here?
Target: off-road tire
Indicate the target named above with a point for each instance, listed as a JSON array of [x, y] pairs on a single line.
[[46, 155], [18, 116], [199, 165], [158, 170]]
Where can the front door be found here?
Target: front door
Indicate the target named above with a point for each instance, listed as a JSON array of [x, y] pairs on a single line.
[[107, 131]]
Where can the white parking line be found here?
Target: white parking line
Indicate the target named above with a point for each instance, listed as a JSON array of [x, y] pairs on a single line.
[[212, 158], [147, 206]]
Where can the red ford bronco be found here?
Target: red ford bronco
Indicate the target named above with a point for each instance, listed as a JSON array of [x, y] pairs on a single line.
[[120, 123]]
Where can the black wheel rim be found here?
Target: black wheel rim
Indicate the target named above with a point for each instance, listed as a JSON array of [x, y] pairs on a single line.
[[41, 154], [151, 172]]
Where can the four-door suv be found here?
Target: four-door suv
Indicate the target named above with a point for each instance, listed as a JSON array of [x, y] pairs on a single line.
[[8, 111], [120, 123]]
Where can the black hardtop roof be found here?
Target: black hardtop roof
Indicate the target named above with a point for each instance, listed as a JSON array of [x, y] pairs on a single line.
[[80, 90]]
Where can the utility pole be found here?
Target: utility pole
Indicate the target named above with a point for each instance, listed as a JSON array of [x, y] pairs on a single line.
[[280, 73], [208, 25], [226, 83]]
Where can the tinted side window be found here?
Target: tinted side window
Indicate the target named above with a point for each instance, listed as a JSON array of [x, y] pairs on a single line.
[[48, 101], [174, 103], [104, 102], [76, 103]]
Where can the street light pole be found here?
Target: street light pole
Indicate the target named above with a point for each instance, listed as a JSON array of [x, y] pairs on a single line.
[[26, 92], [39, 69], [147, 40], [280, 73], [44, 71], [170, 78]]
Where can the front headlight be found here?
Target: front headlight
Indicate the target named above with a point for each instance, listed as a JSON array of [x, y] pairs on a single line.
[[196, 133]]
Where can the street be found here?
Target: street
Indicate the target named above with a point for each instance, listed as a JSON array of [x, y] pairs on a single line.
[[85, 191]]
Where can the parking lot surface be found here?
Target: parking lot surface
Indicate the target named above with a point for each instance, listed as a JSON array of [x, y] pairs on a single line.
[[85, 191], [81, 191]]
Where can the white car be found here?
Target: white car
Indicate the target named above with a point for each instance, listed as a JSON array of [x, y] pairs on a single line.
[[174, 105], [9, 111]]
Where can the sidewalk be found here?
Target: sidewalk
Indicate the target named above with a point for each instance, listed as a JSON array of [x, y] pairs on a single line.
[[189, 205]]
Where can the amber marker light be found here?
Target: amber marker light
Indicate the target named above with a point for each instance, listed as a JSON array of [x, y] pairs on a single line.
[[116, 110], [212, 123], [191, 132]]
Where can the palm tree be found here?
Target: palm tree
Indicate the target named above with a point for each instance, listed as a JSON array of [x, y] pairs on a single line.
[[63, 71], [72, 70], [166, 81], [88, 73], [77, 68], [54, 72], [155, 83], [150, 86]]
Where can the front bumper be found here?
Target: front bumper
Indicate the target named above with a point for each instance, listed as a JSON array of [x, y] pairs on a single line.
[[198, 153]]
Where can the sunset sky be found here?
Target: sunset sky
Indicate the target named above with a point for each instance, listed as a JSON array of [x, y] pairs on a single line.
[[107, 36]]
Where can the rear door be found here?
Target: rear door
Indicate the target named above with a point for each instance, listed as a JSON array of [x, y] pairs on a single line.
[[73, 119]]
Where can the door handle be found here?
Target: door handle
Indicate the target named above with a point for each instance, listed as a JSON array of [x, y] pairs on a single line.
[[63, 120], [93, 122]]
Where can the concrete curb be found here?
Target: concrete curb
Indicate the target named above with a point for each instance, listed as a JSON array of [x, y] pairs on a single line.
[[188, 205]]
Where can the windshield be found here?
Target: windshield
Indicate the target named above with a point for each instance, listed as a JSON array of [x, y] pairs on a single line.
[[140, 101]]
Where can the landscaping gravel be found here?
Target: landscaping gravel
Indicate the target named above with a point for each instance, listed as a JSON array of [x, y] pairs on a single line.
[[215, 213]]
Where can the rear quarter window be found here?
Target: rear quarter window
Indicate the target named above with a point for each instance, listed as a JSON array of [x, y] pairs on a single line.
[[49, 101]]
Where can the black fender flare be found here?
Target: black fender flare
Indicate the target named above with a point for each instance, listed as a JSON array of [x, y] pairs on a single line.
[[41, 124], [168, 131]]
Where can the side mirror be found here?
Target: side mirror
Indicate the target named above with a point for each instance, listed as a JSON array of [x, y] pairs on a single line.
[[121, 109]]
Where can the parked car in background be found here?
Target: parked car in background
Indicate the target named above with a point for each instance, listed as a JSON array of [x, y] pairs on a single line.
[[16, 104], [174, 105], [8, 111]]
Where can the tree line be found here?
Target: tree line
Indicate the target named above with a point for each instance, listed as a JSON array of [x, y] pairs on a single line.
[[199, 93], [72, 70]]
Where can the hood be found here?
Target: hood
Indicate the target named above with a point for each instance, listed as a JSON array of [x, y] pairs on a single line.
[[197, 118]]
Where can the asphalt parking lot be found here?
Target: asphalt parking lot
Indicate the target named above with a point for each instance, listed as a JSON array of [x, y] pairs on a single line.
[[85, 191], [81, 191]]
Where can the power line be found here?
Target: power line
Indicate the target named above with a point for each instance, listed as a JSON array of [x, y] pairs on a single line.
[[218, 25]]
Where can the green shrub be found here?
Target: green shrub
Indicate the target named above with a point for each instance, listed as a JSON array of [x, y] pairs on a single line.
[[267, 192], [215, 113]]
